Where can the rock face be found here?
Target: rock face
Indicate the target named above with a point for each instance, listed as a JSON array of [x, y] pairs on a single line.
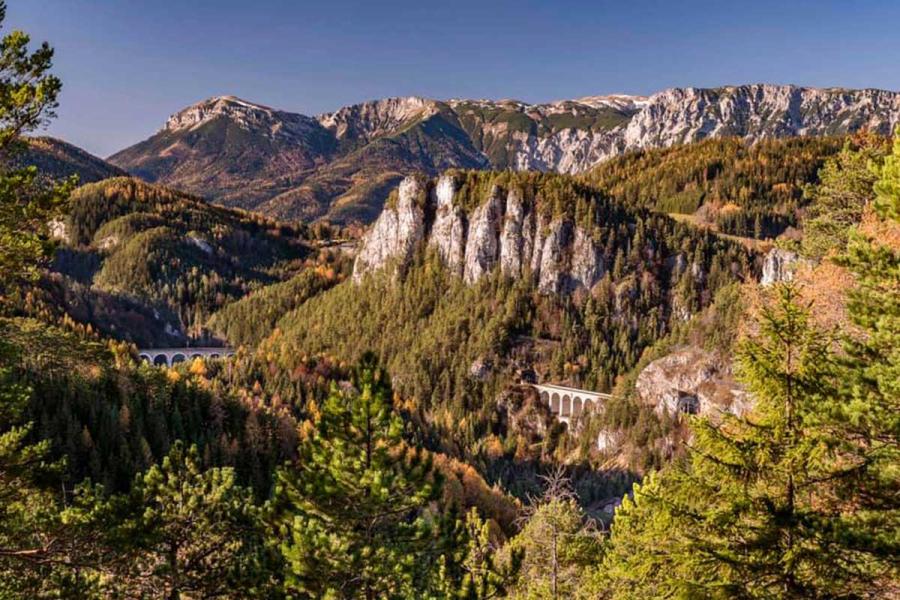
[[503, 232], [756, 112], [690, 380], [779, 265], [291, 165], [396, 233], [248, 116], [370, 120]]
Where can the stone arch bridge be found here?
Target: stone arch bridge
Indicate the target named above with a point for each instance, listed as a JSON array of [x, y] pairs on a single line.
[[568, 402], [171, 356]]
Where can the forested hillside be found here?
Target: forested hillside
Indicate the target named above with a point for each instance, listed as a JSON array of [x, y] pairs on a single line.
[[746, 190], [128, 243], [453, 347], [56, 159], [375, 434]]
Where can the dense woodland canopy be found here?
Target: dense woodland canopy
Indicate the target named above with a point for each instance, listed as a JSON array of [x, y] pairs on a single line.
[[755, 191], [369, 441]]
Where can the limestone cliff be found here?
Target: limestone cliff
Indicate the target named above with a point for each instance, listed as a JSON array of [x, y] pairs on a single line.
[[691, 380], [779, 265], [503, 231]]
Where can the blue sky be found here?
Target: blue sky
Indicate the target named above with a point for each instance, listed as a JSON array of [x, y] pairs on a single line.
[[127, 64]]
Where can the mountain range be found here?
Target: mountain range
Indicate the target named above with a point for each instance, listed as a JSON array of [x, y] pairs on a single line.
[[340, 166]]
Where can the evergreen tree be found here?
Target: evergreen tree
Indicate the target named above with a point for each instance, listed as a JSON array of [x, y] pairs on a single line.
[[482, 574], [31, 536], [28, 95], [748, 515], [557, 544], [864, 428], [27, 513], [842, 194], [183, 532], [357, 511]]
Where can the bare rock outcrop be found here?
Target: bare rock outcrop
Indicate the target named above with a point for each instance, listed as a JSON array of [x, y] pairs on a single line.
[[690, 380], [483, 240], [397, 231], [503, 231], [780, 265], [448, 233]]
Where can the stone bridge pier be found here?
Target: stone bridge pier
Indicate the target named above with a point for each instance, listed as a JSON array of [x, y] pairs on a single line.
[[171, 356], [567, 403]]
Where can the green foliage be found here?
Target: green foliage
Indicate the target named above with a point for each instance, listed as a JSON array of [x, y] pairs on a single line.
[[27, 513], [482, 575], [182, 532], [753, 512], [112, 419], [431, 327], [27, 100], [745, 190], [557, 545], [843, 192], [175, 251], [354, 509], [865, 427], [249, 320]]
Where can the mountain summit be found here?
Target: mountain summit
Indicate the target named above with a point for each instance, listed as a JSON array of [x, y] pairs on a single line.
[[340, 165]]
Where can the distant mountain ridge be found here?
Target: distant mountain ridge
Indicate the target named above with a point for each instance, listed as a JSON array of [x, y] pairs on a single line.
[[57, 159], [341, 165]]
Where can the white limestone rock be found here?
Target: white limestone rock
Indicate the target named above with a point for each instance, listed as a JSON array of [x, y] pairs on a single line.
[[396, 232], [512, 240], [483, 240], [690, 375], [552, 255], [58, 229], [587, 261], [779, 265], [448, 234]]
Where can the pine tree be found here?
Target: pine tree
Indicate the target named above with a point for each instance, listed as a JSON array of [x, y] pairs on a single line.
[[842, 194], [747, 515], [356, 511], [28, 95], [182, 532], [864, 428], [26, 508], [30, 529], [556, 545]]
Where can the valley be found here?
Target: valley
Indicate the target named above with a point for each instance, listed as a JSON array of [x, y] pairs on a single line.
[[612, 348]]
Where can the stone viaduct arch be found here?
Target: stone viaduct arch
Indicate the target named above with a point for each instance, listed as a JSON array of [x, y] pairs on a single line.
[[567, 402], [172, 356]]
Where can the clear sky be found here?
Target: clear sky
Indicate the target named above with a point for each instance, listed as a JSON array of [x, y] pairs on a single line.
[[127, 64]]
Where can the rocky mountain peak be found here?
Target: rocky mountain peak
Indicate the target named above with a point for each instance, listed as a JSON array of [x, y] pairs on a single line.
[[373, 119], [336, 165], [623, 102], [758, 111], [248, 115]]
